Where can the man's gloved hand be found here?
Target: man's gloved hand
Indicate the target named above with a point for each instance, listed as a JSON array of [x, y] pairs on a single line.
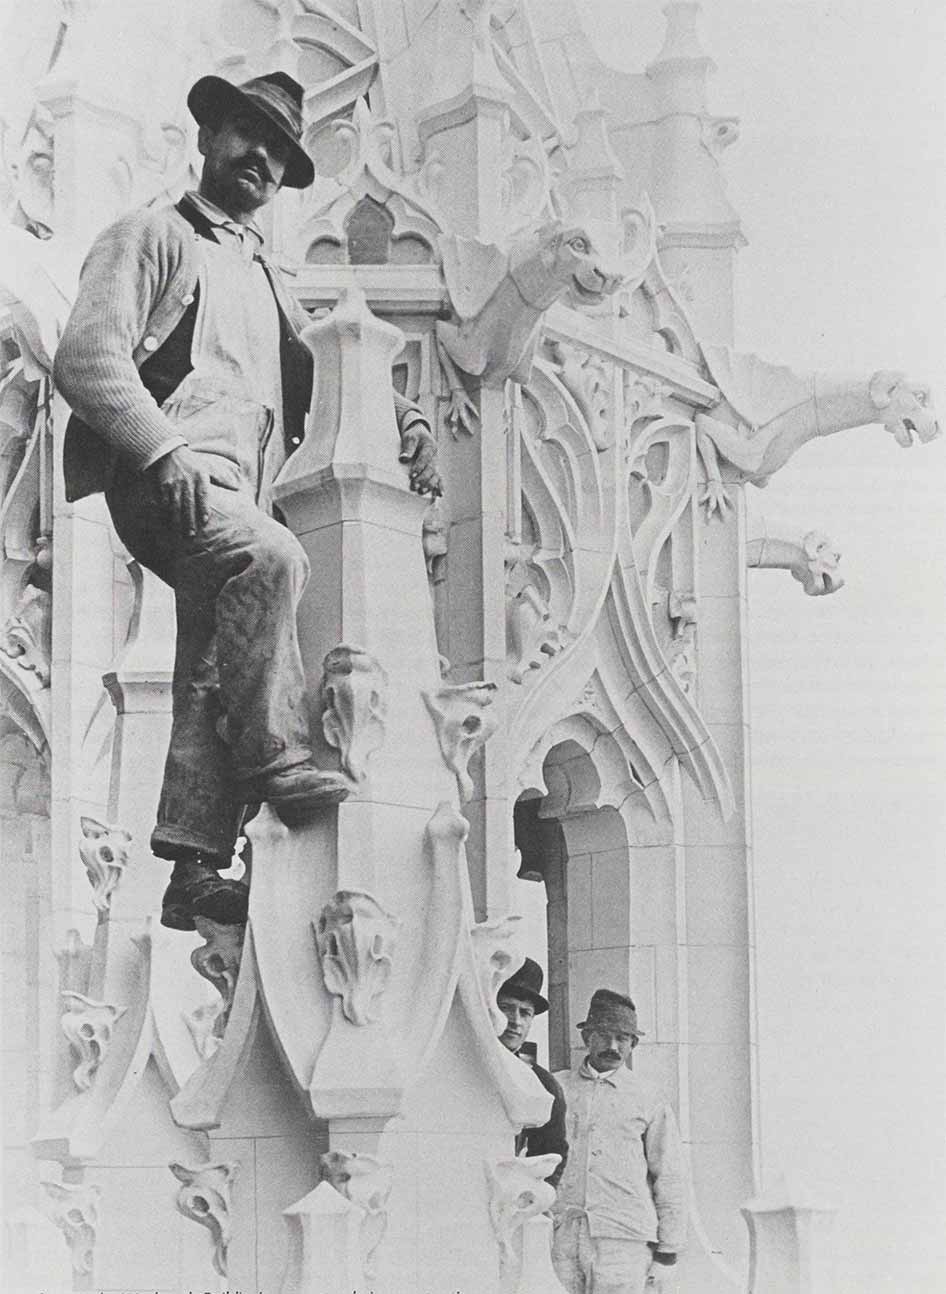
[[419, 448], [659, 1276]]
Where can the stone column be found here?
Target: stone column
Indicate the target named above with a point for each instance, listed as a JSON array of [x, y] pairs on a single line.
[[464, 128], [718, 998]]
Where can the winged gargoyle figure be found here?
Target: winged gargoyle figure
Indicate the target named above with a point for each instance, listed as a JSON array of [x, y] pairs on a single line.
[[499, 297], [768, 412]]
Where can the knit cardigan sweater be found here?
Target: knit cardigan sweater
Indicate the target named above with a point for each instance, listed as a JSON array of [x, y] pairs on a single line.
[[138, 282]]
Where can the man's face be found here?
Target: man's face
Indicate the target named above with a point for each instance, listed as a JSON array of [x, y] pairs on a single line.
[[608, 1046], [519, 1013], [245, 159]]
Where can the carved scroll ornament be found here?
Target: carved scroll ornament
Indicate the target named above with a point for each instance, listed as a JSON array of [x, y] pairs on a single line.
[[518, 1191], [356, 940], [75, 1212], [459, 714], [88, 1025], [218, 961], [25, 637], [354, 697], [204, 1197], [104, 853], [497, 953], [366, 1182]]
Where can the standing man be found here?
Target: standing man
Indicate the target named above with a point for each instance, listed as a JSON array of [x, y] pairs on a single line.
[[621, 1211], [520, 1000], [190, 387]]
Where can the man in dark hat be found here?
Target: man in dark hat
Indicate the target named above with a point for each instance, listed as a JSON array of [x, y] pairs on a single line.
[[621, 1212], [520, 1000], [190, 387]]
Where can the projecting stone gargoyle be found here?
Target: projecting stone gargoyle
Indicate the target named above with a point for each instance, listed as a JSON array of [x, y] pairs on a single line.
[[768, 412], [811, 557], [499, 298]]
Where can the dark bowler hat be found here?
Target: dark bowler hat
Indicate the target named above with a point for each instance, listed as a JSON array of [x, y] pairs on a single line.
[[276, 96], [527, 984], [612, 1010]]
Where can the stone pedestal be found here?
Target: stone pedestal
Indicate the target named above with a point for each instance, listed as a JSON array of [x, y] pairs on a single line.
[[790, 1244]]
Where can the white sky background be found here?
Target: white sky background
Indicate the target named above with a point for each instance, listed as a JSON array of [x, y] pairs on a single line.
[[839, 179]]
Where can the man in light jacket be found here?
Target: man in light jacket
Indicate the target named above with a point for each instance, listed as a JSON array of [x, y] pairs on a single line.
[[621, 1215], [190, 387]]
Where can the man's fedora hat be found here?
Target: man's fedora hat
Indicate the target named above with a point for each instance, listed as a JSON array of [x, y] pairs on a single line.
[[527, 984], [613, 1011], [276, 96]]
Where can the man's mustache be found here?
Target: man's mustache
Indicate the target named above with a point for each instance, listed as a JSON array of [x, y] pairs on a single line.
[[611, 1055], [255, 163]]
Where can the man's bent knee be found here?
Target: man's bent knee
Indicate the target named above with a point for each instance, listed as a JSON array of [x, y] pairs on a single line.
[[278, 552]]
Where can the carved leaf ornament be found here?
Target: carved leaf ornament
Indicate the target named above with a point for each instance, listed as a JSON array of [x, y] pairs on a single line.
[[354, 697], [356, 940]]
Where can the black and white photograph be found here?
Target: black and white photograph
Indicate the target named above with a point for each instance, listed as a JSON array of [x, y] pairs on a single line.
[[472, 621]]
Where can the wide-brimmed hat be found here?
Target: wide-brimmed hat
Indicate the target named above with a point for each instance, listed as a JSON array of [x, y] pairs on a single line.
[[612, 1010], [527, 984], [276, 96]]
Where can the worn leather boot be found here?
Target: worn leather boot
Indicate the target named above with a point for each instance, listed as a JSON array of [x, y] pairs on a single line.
[[298, 791], [196, 889]]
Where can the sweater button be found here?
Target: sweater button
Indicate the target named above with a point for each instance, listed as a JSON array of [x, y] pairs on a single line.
[[295, 440], [150, 343], [188, 300]]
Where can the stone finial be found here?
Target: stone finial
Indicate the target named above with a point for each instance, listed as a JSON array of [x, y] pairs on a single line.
[[681, 37], [218, 960], [366, 1182], [354, 699], [104, 853], [356, 940], [459, 714], [75, 1212], [88, 1026], [204, 1197], [536, 1273], [324, 1242]]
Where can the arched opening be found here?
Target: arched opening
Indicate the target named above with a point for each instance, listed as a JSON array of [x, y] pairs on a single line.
[[579, 854]]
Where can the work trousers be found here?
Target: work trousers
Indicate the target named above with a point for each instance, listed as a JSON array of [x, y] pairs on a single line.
[[598, 1265], [239, 686]]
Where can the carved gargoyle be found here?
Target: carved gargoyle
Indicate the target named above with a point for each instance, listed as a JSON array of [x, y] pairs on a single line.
[[811, 557], [768, 412], [499, 298]]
